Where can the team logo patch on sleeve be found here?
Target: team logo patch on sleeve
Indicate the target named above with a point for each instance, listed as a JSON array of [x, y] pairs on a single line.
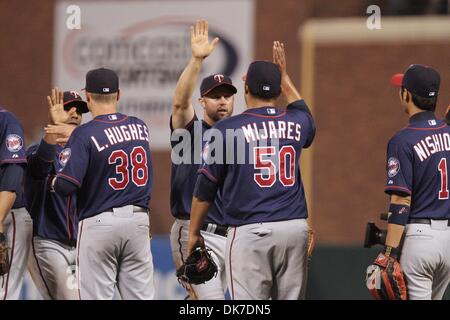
[[393, 167], [14, 142], [64, 156]]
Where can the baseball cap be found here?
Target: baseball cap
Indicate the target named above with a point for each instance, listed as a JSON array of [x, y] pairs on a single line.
[[263, 79], [419, 79], [73, 99], [102, 80], [215, 80]]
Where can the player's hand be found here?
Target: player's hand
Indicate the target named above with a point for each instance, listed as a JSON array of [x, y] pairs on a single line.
[[56, 110], [279, 57], [201, 48], [195, 241], [62, 130]]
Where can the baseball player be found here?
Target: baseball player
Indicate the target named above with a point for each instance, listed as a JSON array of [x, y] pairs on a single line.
[[15, 222], [55, 220], [263, 197], [109, 167], [418, 160], [217, 98]]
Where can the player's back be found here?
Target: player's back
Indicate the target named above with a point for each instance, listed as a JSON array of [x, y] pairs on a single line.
[[418, 165], [118, 163], [267, 185]]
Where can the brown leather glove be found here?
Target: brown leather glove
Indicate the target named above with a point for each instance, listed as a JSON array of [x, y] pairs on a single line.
[[385, 278]]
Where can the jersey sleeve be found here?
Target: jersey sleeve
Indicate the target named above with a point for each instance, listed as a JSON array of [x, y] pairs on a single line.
[[12, 148], [40, 159], [399, 169], [214, 157], [76, 158], [301, 107]]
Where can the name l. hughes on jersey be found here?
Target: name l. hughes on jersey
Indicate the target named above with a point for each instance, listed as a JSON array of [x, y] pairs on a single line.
[[118, 134]]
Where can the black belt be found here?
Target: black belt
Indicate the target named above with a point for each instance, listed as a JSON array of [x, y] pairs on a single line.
[[215, 228], [135, 209], [70, 243], [426, 221]]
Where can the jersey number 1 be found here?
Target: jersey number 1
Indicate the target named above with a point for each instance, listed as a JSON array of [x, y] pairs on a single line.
[[139, 169], [443, 193], [286, 162]]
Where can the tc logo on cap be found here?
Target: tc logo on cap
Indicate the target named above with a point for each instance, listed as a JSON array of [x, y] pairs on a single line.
[[105, 89], [266, 88], [219, 77], [75, 94]]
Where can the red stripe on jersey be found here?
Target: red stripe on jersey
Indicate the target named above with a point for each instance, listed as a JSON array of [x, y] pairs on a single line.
[[229, 261], [112, 121], [263, 116], [425, 129], [12, 254], [209, 175], [69, 178], [20, 160], [398, 188]]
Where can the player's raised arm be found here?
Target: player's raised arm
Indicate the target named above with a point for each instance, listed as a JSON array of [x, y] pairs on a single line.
[[182, 109], [288, 91]]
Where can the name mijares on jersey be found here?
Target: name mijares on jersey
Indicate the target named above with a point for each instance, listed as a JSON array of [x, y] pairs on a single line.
[[118, 134], [272, 130], [432, 144]]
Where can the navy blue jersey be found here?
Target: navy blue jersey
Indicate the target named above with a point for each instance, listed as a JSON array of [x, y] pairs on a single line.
[[54, 217], [184, 174], [418, 160], [109, 159], [12, 147], [263, 184]]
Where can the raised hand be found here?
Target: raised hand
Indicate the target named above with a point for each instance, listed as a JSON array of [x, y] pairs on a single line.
[[279, 57], [56, 110], [200, 45]]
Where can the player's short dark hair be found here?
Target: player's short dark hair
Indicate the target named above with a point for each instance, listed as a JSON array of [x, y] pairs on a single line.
[[104, 98], [264, 96], [428, 104]]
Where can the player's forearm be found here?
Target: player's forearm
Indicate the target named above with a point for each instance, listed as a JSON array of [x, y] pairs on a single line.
[[198, 214], [7, 199], [186, 84], [394, 235], [395, 231], [288, 91]]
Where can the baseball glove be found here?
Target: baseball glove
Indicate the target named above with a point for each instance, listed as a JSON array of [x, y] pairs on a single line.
[[385, 278], [4, 257], [198, 268]]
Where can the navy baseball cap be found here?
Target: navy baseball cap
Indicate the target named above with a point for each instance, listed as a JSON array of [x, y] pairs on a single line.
[[73, 99], [421, 80], [102, 80], [215, 80], [264, 79]]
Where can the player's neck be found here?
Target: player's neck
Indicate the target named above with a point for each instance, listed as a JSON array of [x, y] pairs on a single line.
[[103, 109], [258, 103], [413, 110]]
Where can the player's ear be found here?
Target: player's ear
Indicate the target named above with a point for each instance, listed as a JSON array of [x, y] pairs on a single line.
[[407, 96], [201, 101]]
